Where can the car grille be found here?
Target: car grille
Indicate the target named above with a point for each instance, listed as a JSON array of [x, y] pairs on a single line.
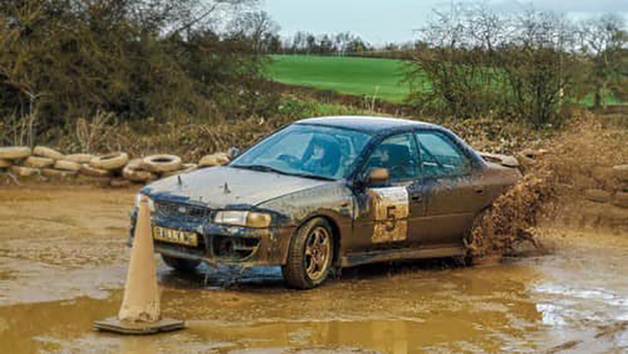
[[185, 212]]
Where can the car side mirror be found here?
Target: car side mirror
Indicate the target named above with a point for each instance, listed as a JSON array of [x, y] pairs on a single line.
[[378, 175], [234, 152]]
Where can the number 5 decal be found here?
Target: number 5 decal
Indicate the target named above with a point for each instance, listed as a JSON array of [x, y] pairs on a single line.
[[390, 212]]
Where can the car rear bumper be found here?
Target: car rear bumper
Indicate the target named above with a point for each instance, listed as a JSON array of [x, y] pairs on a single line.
[[222, 244]]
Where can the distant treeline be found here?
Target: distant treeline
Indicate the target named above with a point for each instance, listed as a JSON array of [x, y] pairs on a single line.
[[66, 60], [470, 61]]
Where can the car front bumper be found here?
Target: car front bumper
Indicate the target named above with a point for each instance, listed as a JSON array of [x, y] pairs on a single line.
[[223, 244]]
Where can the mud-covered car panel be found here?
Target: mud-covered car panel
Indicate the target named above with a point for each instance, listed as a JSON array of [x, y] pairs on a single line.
[[423, 217]]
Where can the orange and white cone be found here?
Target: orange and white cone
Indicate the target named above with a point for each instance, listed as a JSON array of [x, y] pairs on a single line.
[[140, 312]]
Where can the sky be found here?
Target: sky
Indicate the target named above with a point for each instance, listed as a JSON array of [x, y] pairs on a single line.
[[381, 21]]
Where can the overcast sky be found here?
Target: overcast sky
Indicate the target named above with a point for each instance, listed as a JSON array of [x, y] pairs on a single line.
[[380, 21]]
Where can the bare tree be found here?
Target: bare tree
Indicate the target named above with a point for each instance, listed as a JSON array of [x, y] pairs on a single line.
[[603, 41], [472, 61], [256, 26]]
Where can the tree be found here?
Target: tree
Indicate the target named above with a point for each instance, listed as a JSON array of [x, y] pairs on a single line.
[[257, 26], [472, 61], [66, 59], [603, 41]]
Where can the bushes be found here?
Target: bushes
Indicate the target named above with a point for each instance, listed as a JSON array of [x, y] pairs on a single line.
[[528, 67], [65, 59]]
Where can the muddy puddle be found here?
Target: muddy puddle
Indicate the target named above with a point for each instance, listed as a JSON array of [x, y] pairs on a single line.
[[62, 266]]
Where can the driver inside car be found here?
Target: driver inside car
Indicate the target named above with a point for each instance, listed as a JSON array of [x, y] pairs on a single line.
[[396, 158], [322, 156]]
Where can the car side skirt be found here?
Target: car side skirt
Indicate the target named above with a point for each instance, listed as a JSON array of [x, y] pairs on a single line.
[[355, 259]]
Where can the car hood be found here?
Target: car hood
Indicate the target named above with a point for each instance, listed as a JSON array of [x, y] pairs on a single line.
[[228, 187]]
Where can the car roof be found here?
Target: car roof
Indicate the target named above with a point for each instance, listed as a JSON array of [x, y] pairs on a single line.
[[368, 124]]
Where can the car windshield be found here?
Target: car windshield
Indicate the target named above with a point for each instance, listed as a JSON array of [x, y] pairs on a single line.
[[306, 150]]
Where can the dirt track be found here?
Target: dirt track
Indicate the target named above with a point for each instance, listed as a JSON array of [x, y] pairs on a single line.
[[63, 259]]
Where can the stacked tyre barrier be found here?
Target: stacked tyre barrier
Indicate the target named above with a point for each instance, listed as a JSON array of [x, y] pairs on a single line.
[[611, 186], [114, 169]]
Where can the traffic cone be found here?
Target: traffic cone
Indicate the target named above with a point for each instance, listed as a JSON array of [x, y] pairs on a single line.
[[140, 311]]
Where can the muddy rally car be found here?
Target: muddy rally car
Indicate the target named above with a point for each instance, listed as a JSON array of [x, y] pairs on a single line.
[[325, 193]]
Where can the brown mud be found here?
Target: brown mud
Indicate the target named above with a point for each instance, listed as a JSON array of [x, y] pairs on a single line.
[[575, 164], [63, 263], [63, 260]]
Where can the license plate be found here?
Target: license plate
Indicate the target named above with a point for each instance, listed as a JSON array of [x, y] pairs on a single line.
[[175, 236]]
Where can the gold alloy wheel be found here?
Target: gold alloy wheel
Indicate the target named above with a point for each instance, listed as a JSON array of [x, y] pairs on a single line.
[[317, 253]]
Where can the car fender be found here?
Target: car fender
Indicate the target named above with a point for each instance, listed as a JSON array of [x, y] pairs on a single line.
[[333, 201]]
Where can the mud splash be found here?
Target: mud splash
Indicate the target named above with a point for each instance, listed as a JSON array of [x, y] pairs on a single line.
[[554, 188]]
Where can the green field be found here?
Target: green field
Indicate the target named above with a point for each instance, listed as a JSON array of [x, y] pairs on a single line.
[[350, 75], [354, 76]]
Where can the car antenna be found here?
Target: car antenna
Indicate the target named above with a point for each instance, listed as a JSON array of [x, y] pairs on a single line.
[[179, 180], [226, 188]]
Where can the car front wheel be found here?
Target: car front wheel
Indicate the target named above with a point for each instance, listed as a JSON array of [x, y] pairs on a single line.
[[180, 264], [310, 255]]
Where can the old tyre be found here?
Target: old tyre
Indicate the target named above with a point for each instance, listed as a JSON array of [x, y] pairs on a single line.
[[181, 264], [597, 195], [80, 158], [67, 165], [621, 199], [162, 163], [217, 159], [137, 175], [14, 152], [310, 255], [47, 152], [38, 162], [110, 162], [621, 172], [88, 170]]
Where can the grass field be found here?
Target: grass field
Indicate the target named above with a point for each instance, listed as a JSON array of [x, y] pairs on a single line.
[[355, 76], [350, 75]]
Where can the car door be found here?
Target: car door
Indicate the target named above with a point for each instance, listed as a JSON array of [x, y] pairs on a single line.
[[451, 189], [386, 211]]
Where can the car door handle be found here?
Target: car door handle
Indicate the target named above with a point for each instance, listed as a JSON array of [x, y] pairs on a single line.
[[479, 190]]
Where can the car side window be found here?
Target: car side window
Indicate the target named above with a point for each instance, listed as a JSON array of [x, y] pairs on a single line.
[[398, 155], [439, 156]]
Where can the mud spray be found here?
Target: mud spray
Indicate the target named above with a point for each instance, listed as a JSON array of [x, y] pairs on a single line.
[[571, 183]]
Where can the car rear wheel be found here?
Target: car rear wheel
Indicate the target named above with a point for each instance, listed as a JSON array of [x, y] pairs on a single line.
[[180, 264], [310, 255]]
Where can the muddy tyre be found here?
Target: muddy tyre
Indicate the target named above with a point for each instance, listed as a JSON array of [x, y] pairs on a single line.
[[110, 162], [14, 152], [38, 162], [47, 152], [80, 158], [88, 170], [310, 255], [162, 163], [180, 264]]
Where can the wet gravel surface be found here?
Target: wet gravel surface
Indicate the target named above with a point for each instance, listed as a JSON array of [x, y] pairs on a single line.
[[63, 265]]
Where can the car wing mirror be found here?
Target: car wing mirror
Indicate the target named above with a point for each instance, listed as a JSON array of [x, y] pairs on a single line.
[[234, 152], [377, 176]]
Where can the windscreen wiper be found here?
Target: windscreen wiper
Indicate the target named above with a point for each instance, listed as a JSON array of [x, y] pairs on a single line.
[[313, 176], [261, 168], [264, 168]]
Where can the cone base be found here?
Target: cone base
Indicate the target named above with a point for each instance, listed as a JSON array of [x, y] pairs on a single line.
[[114, 325]]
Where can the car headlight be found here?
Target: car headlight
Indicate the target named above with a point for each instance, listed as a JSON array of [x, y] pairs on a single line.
[[151, 204], [242, 218]]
